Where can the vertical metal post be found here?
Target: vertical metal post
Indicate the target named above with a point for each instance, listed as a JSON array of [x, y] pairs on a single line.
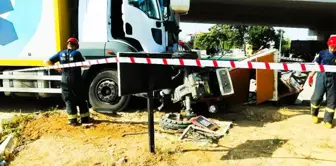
[[150, 117], [280, 45]]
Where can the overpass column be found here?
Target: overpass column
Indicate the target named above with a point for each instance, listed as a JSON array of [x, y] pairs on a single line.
[[323, 35]]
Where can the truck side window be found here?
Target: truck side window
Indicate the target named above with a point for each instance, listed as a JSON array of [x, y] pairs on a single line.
[[149, 7]]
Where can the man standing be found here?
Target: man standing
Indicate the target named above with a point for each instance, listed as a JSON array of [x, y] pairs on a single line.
[[71, 84], [325, 83]]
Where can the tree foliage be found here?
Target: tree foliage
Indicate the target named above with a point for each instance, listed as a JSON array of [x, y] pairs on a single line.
[[285, 47], [261, 36], [236, 36], [285, 42], [223, 36]]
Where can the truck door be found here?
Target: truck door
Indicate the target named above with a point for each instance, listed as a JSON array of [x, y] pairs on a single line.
[[143, 22]]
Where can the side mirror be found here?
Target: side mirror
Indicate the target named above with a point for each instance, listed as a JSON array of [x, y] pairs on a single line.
[[180, 6]]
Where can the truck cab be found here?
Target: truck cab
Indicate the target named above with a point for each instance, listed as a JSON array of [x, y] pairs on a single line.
[[107, 27], [145, 25]]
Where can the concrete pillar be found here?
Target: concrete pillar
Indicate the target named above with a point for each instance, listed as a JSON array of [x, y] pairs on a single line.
[[324, 35]]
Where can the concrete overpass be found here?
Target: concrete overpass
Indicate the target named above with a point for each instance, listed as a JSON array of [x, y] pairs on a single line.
[[318, 15]]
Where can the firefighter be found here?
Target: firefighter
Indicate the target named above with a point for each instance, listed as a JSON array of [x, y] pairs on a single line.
[[71, 84], [325, 83]]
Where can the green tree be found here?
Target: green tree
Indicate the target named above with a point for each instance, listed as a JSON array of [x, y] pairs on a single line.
[[236, 36], [218, 35], [210, 39], [202, 41], [285, 42], [239, 37], [261, 36], [286, 45]]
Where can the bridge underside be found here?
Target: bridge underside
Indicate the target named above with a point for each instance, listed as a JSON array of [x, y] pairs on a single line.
[[320, 16]]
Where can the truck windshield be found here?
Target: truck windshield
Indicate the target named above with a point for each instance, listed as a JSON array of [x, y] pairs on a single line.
[[149, 7]]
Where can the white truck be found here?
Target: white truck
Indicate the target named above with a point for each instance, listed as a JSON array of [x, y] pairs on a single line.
[[33, 30]]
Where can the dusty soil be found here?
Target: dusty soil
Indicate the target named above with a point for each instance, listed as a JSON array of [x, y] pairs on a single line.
[[263, 135]]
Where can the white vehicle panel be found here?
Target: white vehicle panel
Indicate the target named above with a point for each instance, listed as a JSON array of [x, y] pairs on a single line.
[[34, 27], [92, 18], [142, 28]]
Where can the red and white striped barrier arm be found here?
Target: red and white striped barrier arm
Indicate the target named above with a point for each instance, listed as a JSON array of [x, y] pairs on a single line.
[[304, 67]]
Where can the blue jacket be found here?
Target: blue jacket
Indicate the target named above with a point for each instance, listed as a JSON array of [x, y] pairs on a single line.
[[69, 56], [325, 57]]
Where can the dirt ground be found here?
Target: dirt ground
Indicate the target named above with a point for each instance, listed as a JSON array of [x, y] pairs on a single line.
[[261, 135]]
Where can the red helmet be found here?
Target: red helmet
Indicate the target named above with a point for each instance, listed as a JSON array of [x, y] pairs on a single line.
[[332, 41], [73, 41], [180, 42]]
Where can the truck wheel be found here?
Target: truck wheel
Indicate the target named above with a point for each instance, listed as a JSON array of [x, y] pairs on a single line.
[[103, 93], [170, 121]]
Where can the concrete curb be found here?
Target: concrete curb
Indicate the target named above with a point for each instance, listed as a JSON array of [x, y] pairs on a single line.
[[7, 146]]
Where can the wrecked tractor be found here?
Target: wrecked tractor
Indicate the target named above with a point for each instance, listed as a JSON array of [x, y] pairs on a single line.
[[192, 84]]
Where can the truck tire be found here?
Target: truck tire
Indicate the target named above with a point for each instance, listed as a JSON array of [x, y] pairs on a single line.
[[103, 93], [169, 121]]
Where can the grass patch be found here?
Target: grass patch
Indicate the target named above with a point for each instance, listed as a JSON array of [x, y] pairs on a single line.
[[15, 125]]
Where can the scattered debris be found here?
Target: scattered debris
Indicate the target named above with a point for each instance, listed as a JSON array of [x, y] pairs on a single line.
[[174, 121], [199, 127], [122, 160], [137, 133], [293, 81], [88, 125], [206, 132], [200, 134], [203, 122]]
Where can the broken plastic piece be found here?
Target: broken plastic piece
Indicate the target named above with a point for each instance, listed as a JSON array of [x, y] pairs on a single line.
[[203, 122]]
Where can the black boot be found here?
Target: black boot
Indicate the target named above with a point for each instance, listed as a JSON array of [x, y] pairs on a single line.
[[85, 120], [73, 122], [314, 113]]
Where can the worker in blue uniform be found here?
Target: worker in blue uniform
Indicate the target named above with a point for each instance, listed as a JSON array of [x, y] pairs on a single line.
[[325, 84], [71, 84]]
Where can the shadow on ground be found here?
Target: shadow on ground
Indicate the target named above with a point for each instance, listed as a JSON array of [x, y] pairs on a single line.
[[247, 150], [254, 149], [28, 104], [259, 115]]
